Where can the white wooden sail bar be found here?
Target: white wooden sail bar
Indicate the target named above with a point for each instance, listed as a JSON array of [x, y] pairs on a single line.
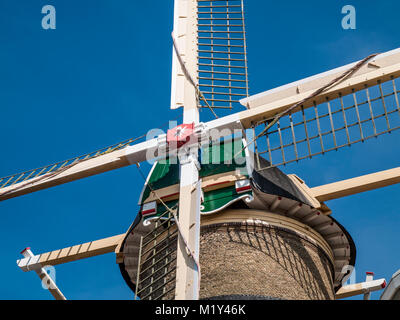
[[38, 263], [104, 163], [187, 275], [360, 288], [363, 106], [266, 105], [70, 254], [357, 185]]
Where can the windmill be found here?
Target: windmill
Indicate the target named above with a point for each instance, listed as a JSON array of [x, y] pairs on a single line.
[[230, 193]]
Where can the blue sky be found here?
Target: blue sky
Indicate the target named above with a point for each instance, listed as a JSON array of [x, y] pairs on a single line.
[[104, 76]]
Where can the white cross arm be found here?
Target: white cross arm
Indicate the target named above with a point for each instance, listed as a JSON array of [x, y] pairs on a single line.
[[360, 288], [357, 185], [70, 254]]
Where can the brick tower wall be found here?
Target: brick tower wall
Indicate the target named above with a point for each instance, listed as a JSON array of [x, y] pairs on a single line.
[[241, 260]]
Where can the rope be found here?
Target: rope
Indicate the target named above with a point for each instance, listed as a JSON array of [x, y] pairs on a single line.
[[173, 212], [189, 77], [331, 84]]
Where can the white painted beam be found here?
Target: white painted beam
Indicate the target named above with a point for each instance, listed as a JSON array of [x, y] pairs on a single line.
[[187, 270], [70, 254], [357, 185], [360, 288], [114, 160]]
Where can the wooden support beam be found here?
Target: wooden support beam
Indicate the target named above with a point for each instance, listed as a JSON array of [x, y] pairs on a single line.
[[107, 162], [353, 186], [360, 288], [187, 272], [70, 254]]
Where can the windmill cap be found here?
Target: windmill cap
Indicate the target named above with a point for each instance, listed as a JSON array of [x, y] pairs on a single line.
[[370, 273], [26, 249]]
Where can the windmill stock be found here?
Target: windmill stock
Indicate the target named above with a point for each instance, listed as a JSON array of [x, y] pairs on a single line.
[[257, 195]]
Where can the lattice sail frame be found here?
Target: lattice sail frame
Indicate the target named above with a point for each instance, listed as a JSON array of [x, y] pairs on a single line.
[[340, 122], [156, 272], [63, 165], [362, 107], [222, 53]]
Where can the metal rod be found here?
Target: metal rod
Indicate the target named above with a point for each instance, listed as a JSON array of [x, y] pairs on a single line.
[[331, 119]]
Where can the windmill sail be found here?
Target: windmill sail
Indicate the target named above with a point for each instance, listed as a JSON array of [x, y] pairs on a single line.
[[362, 107], [222, 53], [103, 160]]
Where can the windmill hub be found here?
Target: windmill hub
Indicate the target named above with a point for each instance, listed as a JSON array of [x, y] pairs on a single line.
[[188, 135], [181, 135]]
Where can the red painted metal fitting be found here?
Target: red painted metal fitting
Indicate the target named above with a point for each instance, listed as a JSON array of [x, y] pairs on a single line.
[[179, 136], [26, 249]]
